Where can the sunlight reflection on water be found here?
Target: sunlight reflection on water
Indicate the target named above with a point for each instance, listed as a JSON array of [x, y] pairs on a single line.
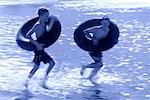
[[126, 65]]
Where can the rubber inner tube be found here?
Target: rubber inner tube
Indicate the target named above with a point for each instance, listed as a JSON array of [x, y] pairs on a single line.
[[48, 38], [104, 44]]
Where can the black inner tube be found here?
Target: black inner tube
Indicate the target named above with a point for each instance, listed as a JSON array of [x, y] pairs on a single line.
[[48, 38], [104, 44]]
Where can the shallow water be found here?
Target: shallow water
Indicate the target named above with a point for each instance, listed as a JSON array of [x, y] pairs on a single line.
[[124, 76], [84, 4]]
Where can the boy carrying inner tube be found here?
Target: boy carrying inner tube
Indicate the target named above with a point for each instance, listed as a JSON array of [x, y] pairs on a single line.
[[95, 34], [41, 27]]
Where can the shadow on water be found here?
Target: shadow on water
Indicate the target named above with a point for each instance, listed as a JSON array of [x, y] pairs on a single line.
[[7, 95], [24, 95], [20, 95], [87, 93], [95, 95]]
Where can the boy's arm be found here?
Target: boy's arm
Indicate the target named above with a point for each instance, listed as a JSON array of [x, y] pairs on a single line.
[[88, 31], [92, 30], [53, 18], [29, 36]]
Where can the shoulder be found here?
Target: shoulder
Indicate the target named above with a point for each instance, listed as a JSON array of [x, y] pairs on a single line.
[[53, 17], [96, 28], [36, 26]]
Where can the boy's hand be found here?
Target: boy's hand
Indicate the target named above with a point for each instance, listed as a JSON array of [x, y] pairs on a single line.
[[88, 35], [40, 46], [95, 41]]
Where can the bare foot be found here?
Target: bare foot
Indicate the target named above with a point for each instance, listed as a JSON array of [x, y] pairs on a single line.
[[26, 84], [82, 70], [43, 85], [93, 82]]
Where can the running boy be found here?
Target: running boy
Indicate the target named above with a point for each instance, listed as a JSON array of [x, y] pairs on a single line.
[[42, 26], [99, 33]]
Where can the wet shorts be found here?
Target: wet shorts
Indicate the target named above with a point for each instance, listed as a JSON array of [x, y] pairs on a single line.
[[41, 56], [96, 54]]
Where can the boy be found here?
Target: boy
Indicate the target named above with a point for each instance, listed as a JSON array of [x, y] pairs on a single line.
[[39, 29], [98, 33]]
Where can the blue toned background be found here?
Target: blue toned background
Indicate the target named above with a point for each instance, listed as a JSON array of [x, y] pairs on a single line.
[[125, 74]]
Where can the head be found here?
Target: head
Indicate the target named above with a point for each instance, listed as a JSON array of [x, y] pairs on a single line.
[[43, 14], [105, 21]]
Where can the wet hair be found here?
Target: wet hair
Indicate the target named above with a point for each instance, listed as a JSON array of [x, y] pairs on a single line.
[[105, 18], [41, 11]]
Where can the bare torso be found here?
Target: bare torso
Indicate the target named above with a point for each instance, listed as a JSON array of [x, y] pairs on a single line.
[[100, 33], [40, 30]]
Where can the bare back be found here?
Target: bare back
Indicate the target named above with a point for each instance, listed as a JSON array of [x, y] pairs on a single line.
[[100, 33]]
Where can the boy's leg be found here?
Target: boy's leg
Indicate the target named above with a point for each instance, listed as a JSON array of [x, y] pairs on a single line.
[[36, 60], [32, 72], [51, 65], [47, 59], [95, 70], [97, 57], [92, 65]]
